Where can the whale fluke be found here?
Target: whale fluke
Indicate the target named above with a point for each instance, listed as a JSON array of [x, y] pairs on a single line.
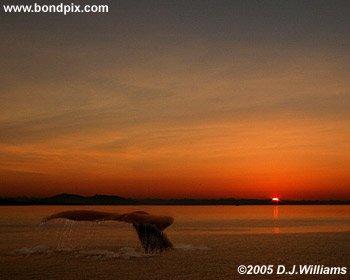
[[149, 228]]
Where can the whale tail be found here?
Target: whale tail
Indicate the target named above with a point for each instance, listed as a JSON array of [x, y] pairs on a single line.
[[152, 239], [149, 228]]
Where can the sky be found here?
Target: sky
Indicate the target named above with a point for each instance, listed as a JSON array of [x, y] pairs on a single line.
[[178, 99]]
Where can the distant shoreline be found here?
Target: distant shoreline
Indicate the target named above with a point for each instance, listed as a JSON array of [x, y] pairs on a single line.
[[74, 199]]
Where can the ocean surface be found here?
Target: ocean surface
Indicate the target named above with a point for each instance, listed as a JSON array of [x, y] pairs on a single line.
[[210, 242]]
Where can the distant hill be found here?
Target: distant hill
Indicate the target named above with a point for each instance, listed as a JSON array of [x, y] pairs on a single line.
[[74, 199], [69, 199], [99, 199]]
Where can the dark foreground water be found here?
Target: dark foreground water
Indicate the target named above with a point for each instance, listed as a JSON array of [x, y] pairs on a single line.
[[210, 243]]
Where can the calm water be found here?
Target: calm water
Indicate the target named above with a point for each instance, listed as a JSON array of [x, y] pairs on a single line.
[[210, 242]]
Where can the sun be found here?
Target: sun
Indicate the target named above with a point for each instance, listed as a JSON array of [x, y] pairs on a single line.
[[275, 199]]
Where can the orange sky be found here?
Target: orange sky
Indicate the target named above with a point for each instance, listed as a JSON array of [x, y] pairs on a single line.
[[105, 105]]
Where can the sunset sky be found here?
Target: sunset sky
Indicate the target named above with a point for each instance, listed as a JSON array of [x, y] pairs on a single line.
[[200, 99]]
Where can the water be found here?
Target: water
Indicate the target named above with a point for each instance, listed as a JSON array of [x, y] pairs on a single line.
[[209, 242]]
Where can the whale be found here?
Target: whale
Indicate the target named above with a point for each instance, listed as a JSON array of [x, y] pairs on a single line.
[[149, 228]]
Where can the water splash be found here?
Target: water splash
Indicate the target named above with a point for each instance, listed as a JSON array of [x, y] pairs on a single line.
[[97, 253], [27, 251], [124, 253], [189, 247], [64, 236]]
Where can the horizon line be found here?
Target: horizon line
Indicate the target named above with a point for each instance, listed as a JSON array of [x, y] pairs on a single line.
[[164, 199]]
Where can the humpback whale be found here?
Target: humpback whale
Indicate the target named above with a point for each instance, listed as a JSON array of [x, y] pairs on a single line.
[[149, 228]]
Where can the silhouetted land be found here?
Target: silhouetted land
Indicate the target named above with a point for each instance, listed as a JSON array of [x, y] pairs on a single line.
[[74, 199]]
